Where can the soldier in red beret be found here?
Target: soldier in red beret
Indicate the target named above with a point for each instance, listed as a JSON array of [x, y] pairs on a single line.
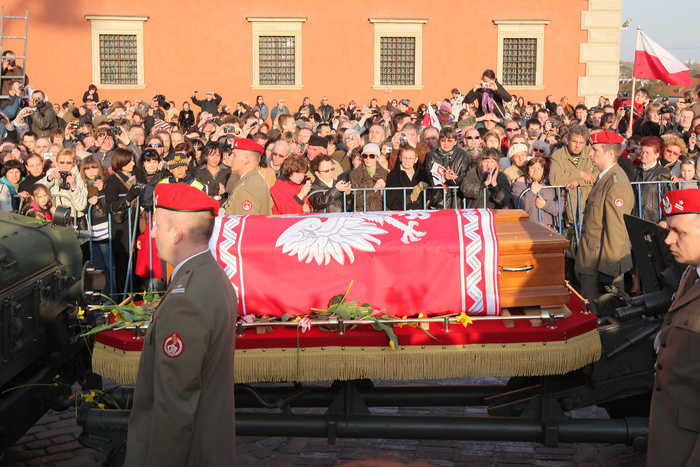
[[674, 424], [251, 195], [183, 410], [604, 252]]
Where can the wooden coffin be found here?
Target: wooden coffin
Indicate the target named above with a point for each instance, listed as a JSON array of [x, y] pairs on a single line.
[[523, 244]]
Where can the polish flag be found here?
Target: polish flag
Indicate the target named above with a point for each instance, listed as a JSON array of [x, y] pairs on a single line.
[[653, 61]]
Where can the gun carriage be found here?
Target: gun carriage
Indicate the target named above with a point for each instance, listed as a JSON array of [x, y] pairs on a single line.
[[554, 351]]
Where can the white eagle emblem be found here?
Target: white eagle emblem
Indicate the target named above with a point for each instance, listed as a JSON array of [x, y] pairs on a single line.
[[667, 205], [322, 237]]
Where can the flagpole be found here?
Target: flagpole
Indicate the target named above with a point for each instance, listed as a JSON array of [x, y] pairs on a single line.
[[634, 80]]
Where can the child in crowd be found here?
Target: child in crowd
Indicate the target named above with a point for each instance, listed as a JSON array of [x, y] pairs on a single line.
[[40, 205], [688, 175]]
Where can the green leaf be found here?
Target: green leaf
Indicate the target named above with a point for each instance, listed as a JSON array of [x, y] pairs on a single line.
[[103, 328], [342, 311], [335, 300], [389, 332], [425, 331], [109, 400]]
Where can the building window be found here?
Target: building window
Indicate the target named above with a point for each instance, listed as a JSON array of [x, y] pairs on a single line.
[[277, 53], [118, 59], [398, 53], [521, 53], [398, 61], [277, 60], [519, 62], [117, 51]]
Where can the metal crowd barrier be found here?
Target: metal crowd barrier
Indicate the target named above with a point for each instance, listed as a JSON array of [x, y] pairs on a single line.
[[563, 196]]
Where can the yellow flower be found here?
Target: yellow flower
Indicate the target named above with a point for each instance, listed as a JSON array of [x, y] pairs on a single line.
[[392, 345], [81, 312], [90, 397], [126, 323], [101, 405], [420, 315], [464, 319], [403, 317]]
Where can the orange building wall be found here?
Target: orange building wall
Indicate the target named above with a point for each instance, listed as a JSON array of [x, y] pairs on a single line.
[[190, 45]]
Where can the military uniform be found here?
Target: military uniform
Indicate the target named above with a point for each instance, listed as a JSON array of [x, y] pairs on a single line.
[[674, 422], [183, 412], [251, 195], [674, 431], [604, 247]]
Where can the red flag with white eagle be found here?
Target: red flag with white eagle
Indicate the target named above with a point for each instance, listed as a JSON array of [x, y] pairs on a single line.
[[653, 61], [405, 262]]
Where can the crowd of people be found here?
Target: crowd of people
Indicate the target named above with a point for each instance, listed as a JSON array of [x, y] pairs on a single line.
[[488, 148]]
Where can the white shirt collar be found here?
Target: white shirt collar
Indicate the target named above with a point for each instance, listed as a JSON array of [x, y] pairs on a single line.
[[177, 268], [602, 174]]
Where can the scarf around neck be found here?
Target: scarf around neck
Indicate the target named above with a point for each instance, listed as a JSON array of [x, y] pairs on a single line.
[[487, 102]]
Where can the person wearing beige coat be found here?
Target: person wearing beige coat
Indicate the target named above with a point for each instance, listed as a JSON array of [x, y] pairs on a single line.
[[571, 166]]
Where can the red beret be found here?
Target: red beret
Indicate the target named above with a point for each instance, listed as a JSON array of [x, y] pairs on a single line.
[[681, 202], [247, 145], [183, 197], [606, 137]]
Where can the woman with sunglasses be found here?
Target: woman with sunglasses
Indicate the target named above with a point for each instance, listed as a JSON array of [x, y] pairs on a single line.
[[541, 149], [369, 175], [328, 193]]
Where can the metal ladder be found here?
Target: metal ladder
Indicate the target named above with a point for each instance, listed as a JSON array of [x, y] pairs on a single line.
[[23, 76]]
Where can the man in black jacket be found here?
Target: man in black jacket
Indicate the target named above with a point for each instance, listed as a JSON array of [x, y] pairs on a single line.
[[447, 167], [325, 110], [408, 174], [209, 104]]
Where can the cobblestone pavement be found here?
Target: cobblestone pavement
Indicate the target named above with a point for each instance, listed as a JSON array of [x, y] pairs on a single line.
[[53, 442]]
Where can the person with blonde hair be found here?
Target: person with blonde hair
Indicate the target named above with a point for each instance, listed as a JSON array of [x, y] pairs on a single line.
[[66, 186]]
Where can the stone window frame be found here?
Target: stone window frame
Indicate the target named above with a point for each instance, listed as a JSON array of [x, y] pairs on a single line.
[[283, 26], [522, 29], [117, 25], [388, 27]]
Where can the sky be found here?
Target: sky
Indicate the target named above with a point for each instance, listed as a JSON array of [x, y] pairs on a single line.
[[673, 24]]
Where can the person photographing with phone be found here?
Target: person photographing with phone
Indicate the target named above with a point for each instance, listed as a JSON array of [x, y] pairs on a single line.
[[490, 95]]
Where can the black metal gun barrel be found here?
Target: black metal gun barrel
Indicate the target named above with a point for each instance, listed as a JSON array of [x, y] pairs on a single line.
[[612, 431], [653, 304]]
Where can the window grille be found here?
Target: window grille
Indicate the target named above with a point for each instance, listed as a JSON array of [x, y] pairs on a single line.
[[519, 61], [277, 60], [398, 61], [118, 59]]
